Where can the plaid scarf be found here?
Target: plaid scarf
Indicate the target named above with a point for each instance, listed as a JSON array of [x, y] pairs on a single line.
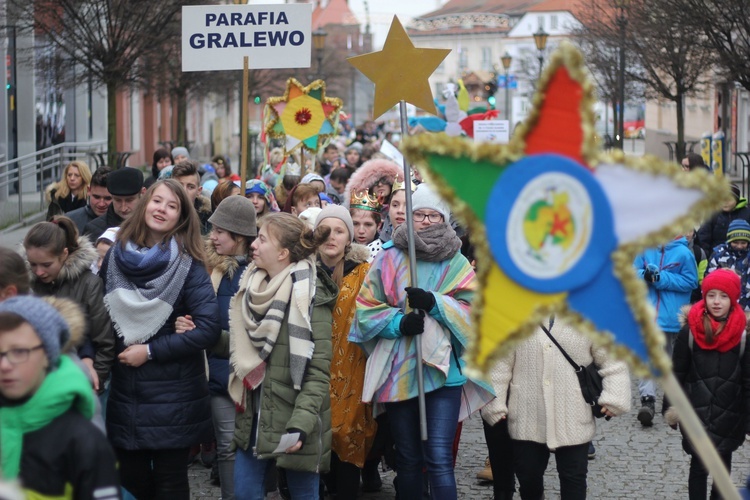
[[142, 288], [256, 314]]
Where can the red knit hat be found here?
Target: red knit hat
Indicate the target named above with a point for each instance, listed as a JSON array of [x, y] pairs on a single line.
[[725, 280]]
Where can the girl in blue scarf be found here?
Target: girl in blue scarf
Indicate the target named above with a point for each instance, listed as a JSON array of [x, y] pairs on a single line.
[[159, 402]]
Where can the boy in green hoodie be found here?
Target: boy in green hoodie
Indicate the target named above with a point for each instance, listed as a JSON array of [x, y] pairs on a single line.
[[47, 441]]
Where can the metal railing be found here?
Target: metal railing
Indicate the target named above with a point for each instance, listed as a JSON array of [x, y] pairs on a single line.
[[23, 179]]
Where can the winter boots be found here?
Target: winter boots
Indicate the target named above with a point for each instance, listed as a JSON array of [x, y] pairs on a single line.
[[647, 411]]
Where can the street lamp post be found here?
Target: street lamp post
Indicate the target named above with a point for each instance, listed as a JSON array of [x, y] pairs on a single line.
[[622, 24], [507, 60], [319, 44], [540, 39]]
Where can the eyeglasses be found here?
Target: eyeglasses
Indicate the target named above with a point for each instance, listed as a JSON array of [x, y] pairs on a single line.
[[433, 218], [18, 356]]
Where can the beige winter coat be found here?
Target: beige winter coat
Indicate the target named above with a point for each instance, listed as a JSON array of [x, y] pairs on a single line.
[[544, 400]]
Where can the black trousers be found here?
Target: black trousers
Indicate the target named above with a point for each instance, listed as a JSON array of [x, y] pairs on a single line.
[[530, 460], [698, 478], [155, 474], [500, 448]]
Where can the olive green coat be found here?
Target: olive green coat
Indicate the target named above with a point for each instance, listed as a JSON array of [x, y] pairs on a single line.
[[282, 408]]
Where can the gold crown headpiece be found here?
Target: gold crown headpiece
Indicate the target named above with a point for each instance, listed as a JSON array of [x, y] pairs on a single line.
[[398, 184], [365, 201]]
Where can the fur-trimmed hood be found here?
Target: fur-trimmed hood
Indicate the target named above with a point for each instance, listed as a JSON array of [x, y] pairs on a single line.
[[357, 253], [73, 316], [49, 191], [368, 174], [220, 265], [202, 204], [77, 262]]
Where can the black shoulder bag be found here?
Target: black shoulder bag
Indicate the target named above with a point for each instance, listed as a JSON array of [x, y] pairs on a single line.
[[588, 377]]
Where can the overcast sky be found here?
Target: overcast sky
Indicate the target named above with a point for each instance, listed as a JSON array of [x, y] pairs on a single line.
[[381, 13]]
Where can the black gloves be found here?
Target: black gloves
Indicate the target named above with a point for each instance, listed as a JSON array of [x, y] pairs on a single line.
[[412, 324], [651, 275], [420, 299]]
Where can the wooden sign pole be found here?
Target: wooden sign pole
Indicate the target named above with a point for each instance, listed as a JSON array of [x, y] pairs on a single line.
[[243, 132]]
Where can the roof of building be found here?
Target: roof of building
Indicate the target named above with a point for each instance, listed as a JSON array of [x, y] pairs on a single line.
[[336, 12], [458, 7]]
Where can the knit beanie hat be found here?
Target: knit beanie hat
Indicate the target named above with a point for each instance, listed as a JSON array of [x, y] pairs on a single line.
[[337, 212], [735, 189], [235, 214], [180, 151], [739, 229], [425, 197], [725, 280], [46, 321], [310, 215], [308, 178]]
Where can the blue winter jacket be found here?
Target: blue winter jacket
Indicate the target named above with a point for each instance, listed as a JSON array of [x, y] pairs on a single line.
[[164, 403], [218, 366], [678, 276]]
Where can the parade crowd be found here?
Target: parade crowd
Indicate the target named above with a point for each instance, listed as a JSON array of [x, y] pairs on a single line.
[[270, 331]]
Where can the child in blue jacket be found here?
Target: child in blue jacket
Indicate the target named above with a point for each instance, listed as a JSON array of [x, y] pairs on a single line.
[[671, 274]]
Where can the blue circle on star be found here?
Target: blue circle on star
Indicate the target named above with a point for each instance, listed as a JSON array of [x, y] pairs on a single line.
[[549, 224]]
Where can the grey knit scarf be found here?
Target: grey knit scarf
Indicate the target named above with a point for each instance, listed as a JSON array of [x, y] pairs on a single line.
[[435, 243]]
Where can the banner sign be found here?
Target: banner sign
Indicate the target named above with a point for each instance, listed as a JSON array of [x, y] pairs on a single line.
[[217, 37]]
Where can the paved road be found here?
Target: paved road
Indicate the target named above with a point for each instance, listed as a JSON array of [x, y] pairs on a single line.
[[631, 462]]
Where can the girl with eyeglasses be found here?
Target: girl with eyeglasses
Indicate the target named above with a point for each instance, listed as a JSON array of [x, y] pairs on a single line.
[[438, 315]]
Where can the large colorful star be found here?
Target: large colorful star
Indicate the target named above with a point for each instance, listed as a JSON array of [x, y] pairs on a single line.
[[400, 71], [304, 116], [557, 223]]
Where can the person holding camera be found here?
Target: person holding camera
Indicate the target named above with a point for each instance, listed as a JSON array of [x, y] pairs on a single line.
[[671, 274]]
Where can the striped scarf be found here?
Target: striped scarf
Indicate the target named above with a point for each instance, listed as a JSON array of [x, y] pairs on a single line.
[[142, 288], [256, 314]]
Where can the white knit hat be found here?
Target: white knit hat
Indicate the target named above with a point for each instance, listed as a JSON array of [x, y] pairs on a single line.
[[425, 197]]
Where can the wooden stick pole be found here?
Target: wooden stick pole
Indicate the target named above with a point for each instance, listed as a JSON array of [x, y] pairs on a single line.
[[698, 438], [243, 132], [413, 276]]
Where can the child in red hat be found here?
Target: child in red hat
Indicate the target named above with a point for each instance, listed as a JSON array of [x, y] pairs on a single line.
[[713, 368]]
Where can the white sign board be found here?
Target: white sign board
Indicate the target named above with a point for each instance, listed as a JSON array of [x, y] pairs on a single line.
[[217, 37], [492, 131], [393, 153]]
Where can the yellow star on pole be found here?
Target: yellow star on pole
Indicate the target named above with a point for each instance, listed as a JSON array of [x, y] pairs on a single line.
[[400, 71]]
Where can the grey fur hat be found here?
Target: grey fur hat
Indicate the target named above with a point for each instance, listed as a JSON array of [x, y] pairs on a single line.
[[235, 214]]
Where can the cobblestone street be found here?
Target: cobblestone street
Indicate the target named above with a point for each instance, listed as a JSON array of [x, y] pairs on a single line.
[[631, 462]]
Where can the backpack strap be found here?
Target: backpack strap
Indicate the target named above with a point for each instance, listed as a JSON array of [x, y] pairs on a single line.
[[743, 342]]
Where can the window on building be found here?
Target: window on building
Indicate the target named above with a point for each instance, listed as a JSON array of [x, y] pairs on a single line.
[[553, 22], [540, 21], [463, 59], [487, 58]]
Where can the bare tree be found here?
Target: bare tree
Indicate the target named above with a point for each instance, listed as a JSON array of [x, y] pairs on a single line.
[[107, 39], [668, 60], [671, 61], [723, 26]]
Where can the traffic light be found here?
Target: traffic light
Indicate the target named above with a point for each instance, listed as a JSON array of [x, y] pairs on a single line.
[[256, 99], [491, 100]]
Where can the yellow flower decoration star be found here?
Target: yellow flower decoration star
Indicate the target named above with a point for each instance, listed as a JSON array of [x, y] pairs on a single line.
[[400, 71], [304, 116]]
